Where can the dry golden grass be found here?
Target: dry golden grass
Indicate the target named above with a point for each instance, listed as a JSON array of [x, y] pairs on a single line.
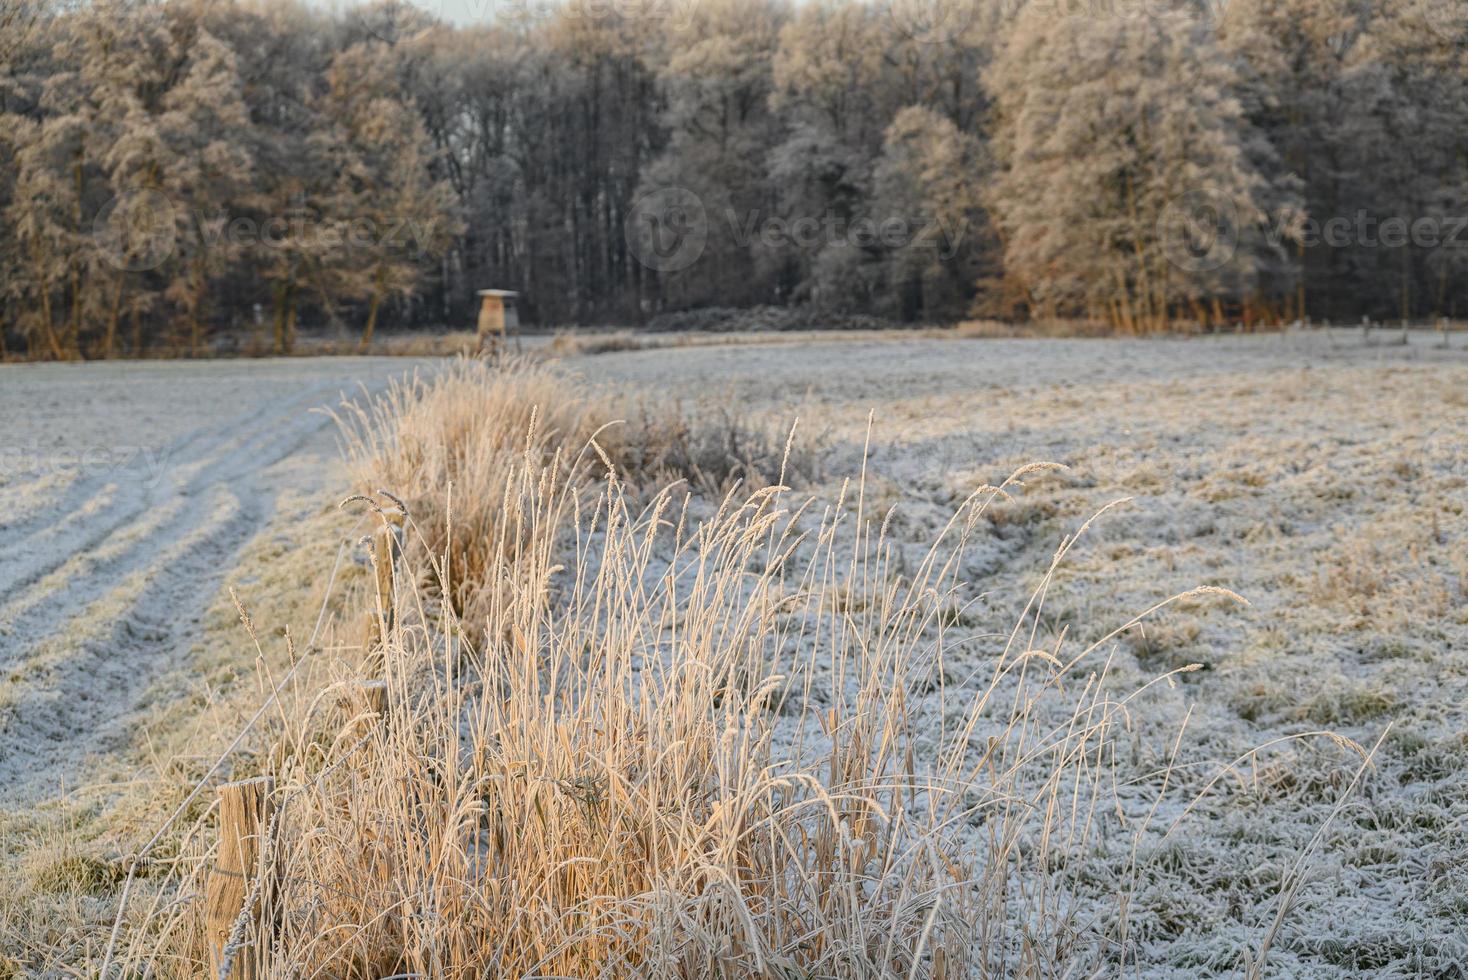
[[641, 744], [583, 343], [447, 448]]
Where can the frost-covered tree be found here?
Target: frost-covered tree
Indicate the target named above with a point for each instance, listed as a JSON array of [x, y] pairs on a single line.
[[1423, 42], [54, 189], [1293, 57], [929, 182], [207, 168], [715, 82], [18, 21], [168, 140], [828, 87], [1124, 189], [1132, 160], [44, 244], [937, 52], [386, 214], [1360, 100], [1401, 152], [283, 51], [828, 70]]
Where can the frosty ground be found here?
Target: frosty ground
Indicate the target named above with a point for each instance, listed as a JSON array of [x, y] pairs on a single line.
[[126, 494], [1321, 475]]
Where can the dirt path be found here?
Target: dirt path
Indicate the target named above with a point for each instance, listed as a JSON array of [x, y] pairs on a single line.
[[125, 494]]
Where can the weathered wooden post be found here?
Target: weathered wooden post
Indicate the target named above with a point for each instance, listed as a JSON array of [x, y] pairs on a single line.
[[245, 809], [374, 695], [384, 551], [364, 698]]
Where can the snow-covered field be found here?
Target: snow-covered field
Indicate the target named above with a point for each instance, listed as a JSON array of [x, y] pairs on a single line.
[[126, 492], [1322, 477]]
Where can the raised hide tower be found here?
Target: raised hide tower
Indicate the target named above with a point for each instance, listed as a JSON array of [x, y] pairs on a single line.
[[498, 315]]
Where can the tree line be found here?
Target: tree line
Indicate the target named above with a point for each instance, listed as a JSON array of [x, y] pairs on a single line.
[[179, 170]]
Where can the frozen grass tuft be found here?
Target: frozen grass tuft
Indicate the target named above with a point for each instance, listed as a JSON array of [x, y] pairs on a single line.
[[448, 447]]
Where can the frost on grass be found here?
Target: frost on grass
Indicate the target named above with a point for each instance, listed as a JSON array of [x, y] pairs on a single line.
[[1309, 475], [1321, 478], [746, 743]]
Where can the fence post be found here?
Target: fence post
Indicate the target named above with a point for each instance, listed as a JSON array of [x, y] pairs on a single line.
[[361, 699], [384, 551], [374, 693], [244, 815]]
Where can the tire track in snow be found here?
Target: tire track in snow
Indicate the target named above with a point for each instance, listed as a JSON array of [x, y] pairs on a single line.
[[78, 523], [102, 590]]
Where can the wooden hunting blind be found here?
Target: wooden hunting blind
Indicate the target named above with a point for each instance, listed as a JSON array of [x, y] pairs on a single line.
[[497, 312]]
